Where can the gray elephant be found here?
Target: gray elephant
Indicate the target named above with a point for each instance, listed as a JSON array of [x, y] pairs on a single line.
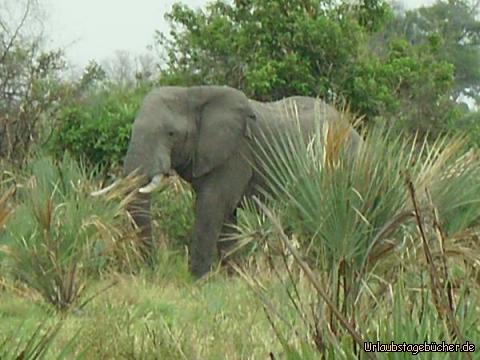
[[205, 134]]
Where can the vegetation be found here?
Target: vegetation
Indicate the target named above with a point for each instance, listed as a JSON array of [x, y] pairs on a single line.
[[453, 28], [378, 247], [354, 222], [30, 85], [57, 235], [97, 130], [275, 306], [316, 48]]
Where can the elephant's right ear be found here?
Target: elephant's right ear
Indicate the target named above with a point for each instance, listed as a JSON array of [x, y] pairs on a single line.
[[224, 122]]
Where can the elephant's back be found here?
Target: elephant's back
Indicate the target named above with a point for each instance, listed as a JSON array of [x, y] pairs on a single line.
[[278, 116], [275, 118], [285, 112]]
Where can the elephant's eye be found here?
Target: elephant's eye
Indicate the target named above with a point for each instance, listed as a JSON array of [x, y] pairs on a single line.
[[170, 133]]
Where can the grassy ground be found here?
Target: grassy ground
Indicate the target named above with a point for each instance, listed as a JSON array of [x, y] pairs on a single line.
[[150, 316], [156, 316]]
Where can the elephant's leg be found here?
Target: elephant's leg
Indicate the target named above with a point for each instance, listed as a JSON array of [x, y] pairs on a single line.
[[226, 243], [217, 197], [209, 214], [139, 209]]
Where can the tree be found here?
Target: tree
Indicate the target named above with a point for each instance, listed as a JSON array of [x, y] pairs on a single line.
[[273, 49], [29, 78], [127, 70], [452, 26], [270, 49]]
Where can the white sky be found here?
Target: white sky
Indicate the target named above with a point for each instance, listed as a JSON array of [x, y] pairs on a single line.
[[95, 29]]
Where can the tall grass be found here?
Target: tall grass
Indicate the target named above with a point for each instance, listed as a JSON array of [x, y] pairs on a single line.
[[58, 234], [354, 218], [343, 203], [34, 345]]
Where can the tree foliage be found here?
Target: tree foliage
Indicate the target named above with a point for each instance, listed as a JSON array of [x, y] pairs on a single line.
[[269, 49], [96, 128], [273, 49], [452, 26], [94, 123], [29, 82]]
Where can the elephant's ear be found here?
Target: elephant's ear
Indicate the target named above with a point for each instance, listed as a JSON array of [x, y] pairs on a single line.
[[224, 122]]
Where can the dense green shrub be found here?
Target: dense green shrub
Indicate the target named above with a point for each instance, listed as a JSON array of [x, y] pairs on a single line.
[[405, 86], [97, 128], [269, 49], [173, 212], [455, 26]]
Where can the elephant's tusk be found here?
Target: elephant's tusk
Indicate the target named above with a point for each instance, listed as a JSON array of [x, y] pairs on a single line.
[[155, 183], [104, 190]]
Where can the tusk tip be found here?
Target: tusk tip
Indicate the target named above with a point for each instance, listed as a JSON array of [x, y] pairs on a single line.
[[98, 193], [154, 184], [104, 190]]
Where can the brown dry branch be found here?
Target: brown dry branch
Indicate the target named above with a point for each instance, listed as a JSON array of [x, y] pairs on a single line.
[[440, 299], [5, 209]]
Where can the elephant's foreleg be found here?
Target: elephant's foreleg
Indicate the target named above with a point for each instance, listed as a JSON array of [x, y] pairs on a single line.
[[139, 209], [226, 243], [209, 214], [217, 197]]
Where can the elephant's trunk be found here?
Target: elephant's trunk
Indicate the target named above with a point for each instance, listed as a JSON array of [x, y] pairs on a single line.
[[139, 208], [148, 155]]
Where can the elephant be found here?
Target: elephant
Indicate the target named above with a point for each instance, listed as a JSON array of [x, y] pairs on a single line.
[[205, 134]]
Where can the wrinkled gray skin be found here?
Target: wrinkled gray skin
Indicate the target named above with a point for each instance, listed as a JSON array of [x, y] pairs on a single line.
[[203, 133]]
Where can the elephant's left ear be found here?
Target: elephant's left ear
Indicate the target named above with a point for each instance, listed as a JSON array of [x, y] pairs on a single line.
[[223, 124]]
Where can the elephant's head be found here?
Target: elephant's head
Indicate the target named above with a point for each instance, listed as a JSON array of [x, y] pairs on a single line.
[[197, 127], [191, 130]]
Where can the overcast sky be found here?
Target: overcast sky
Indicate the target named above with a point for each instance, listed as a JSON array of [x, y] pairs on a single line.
[[95, 29]]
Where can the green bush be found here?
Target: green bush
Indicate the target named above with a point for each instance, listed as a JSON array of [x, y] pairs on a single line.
[[58, 234], [97, 129], [352, 221], [173, 211], [341, 205], [406, 86]]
